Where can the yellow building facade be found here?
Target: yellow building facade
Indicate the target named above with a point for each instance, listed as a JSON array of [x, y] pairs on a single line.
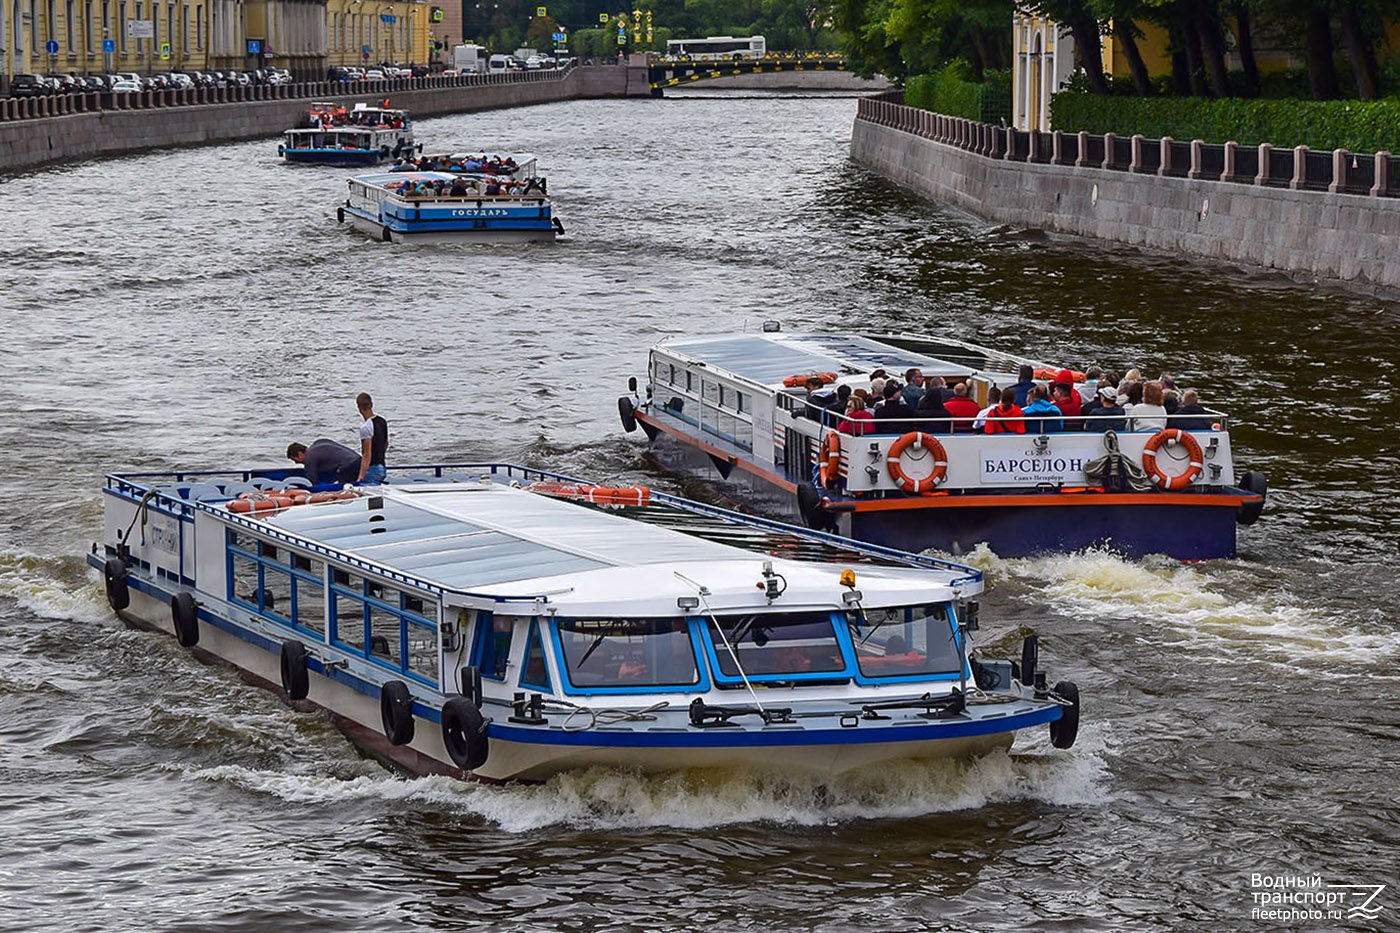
[[303, 36]]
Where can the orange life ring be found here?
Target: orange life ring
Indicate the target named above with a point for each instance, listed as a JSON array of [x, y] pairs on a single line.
[[1050, 374], [923, 442], [259, 502], [1193, 450], [793, 382], [599, 495], [332, 496], [829, 463]]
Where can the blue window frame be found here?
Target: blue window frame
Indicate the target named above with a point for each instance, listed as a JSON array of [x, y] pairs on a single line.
[[777, 646], [387, 626], [536, 672], [598, 656], [906, 643], [491, 644]]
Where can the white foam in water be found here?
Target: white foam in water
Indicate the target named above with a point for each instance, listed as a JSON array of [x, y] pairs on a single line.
[[35, 582], [1166, 600], [603, 798]]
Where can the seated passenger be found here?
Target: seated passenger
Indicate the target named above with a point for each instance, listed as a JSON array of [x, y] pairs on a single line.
[[838, 404], [858, 421], [1066, 398], [1005, 417], [962, 408], [1024, 385], [1151, 415], [934, 416], [892, 417], [632, 669], [1041, 405], [1108, 414], [1199, 419]]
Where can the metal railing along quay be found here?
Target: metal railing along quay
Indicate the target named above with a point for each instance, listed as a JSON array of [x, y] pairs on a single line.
[[57, 105], [1298, 168]]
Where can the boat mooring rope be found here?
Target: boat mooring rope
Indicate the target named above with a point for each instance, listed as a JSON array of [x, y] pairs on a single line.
[[605, 717]]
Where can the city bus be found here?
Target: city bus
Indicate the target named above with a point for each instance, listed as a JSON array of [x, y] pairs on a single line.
[[717, 48]]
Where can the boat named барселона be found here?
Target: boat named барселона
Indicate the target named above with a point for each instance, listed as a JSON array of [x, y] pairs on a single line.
[[365, 135], [731, 409], [499, 622], [468, 200]]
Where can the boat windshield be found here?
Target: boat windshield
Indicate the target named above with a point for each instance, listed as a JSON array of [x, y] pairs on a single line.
[[904, 641], [777, 644], [628, 653]]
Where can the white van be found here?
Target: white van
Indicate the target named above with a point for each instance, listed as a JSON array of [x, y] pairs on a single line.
[[498, 64]]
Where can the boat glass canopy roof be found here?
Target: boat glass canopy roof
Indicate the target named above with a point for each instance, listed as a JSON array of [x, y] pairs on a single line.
[[769, 358]]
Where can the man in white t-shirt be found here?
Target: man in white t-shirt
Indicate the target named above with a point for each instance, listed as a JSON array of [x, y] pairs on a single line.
[[374, 442]]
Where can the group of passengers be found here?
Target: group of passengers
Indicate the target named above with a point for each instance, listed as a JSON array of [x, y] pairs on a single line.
[[475, 164], [1029, 406], [338, 116], [466, 187]]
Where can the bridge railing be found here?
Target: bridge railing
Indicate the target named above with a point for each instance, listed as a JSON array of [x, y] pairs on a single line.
[[58, 105], [1299, 168]]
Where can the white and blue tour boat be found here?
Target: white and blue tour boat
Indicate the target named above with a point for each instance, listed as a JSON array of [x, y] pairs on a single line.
[[501, 623], [453, 204], [732, 409], [366, 135]]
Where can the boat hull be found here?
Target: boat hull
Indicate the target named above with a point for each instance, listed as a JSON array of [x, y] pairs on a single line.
[[534, 753], [393, 232], [1187, 526], [351, 158]]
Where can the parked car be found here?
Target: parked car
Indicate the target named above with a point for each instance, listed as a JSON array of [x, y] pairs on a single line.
[[29, 86], [374, 74], [67, 84], [126, 87]]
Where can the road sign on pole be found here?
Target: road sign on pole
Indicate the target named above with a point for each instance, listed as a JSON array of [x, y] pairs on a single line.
[[165, 51], [51, 47]]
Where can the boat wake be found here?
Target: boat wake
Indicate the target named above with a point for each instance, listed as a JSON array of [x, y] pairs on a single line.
[[1203, 607], [55, 587], [605, 798]]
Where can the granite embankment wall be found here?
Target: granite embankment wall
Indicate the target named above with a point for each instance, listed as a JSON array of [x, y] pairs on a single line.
[[26, 143], [1349, 239]]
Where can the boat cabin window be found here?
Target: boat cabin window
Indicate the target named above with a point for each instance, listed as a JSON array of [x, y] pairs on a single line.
[[309, 595], [536, 673], [905, 641], [626, 654], [277, 583], [775, 646], [491, 644], [392, 627]]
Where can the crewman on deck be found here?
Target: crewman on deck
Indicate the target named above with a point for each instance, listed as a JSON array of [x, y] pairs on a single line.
[[325, 461]]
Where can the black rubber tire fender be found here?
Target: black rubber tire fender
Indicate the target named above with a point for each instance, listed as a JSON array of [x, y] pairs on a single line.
[[1030, 658], [1065, 730], [118, 590], [340, 215], [296, 677], [184, 614], [809, 506], [464, 734], [1253, 481], [396, 712], [385, 236], [627, 413]]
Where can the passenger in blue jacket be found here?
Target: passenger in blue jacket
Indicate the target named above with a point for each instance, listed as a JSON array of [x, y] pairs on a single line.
[[1042, 417]]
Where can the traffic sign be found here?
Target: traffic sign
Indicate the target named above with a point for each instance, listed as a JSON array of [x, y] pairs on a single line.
[[51, 47], [254, 46], [559, 37], [602, 17], [388, 18], [109, 45], [541, 11], [165, 51]]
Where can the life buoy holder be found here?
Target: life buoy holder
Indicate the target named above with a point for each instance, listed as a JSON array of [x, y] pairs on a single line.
[[296, 678], [464, 734], [829, 464], [396, 712], [184, 616], [919, 441], [1171, 437], [118, 590], [800, 379]]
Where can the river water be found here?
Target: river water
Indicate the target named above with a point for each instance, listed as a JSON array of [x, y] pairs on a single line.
[[201, 307]]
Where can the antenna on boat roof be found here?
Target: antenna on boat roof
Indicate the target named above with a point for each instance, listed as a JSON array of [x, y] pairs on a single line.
[[702, 591]]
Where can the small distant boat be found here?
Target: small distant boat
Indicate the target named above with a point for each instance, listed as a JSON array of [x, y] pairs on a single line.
[[503, 623], [731, 409], [366, 135], [460, 201]]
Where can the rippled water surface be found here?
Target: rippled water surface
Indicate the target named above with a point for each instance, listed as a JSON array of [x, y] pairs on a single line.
[[202, 308]]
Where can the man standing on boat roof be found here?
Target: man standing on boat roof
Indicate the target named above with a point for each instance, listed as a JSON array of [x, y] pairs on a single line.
[[374, 442], [325, 461]]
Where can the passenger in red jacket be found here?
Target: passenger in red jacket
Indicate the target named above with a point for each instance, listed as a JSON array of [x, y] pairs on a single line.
[[962, 408], [1006, 418]]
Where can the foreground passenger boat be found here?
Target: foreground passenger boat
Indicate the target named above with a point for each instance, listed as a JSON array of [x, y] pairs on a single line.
[[452, 206], [331, 135], [504, 623], [731, 409]]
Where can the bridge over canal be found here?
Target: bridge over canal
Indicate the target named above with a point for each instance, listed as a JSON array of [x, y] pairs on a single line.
[[672, 72]]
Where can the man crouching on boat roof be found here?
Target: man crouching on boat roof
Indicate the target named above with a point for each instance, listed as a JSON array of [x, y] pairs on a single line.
[[325, 461]]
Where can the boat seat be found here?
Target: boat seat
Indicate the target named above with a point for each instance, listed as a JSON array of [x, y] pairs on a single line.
[[237, 489]]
